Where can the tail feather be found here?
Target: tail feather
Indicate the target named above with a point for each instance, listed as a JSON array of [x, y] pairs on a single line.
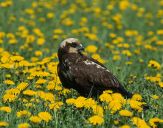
[[124, 92], [129, 95]]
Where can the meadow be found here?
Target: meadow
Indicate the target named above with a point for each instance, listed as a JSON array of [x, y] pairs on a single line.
[[125, 35]]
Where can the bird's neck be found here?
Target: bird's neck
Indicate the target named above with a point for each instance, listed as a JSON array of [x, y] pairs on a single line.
[[72, 57]]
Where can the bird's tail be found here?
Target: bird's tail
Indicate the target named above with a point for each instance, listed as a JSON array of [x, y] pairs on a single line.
[[124, 92], [129, 95]]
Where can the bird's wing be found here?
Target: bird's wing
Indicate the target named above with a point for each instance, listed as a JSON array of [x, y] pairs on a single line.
[[97, 62], [94, 73]]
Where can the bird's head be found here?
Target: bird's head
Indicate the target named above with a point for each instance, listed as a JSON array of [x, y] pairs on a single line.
[[70, 45]]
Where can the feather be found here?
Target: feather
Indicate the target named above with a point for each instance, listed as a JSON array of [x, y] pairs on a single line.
[[85, 74]]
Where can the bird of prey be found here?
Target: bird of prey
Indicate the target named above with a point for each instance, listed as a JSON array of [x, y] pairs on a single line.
[[85, 74]]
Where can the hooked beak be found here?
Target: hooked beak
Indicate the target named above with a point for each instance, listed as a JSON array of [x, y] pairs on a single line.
[[80, 48]]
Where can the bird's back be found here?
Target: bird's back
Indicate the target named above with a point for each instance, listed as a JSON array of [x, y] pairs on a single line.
[[87, 76]]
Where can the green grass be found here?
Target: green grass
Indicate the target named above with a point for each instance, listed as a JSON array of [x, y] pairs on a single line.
[[132, 76]]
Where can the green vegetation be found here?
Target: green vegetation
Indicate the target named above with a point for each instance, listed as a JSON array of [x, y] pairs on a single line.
[[126, 36]]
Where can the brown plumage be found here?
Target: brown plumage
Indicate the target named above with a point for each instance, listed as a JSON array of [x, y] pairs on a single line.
[[84, 74]]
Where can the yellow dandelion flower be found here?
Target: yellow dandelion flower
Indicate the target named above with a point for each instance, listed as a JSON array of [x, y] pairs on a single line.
[[35, 119], [137, 97], [30, 38], [22, 86], [91, 48], [155, 97], [125, 113], [6, 109], [24, 63], [50, 15], [3, 124], [116, 122], [65, 91], [17, 58], [154, 64], [159, 42], [98, 110], [24, 100], [136, 105], [55, 105], [83, 21], [52, 85], [115, 105], [40, 81], [38, 32], [96, 120], [23, 113], [46, 116], [23, 125], [118, 96], [105, 97], [34, 59], [161, 84], [131, 33], [128, 63], [8, 82], [29, 105], [46, 96], [14, 91], [80, 102], [89, 103], [12, 39], [125, 126], [2, 34], [160, 32], [40, 41], [112, 35], [39, 74], [29, 11], [7, 66], [127, 53], [38, 53], [97, 10], [55, 37], [92, 36], [116, 57], [84, 29], [97, 57], [117, 17], [59, 88], [123, 5], [9, 97], [155, 120], [67, 22], [156, 79], [70, 101], [108, 91], [140, 123], [29, 92], [5, 57], [52, 67], [58, 31], [150, 47]]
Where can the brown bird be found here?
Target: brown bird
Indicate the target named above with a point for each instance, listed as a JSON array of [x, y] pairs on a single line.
[[85, 74]]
